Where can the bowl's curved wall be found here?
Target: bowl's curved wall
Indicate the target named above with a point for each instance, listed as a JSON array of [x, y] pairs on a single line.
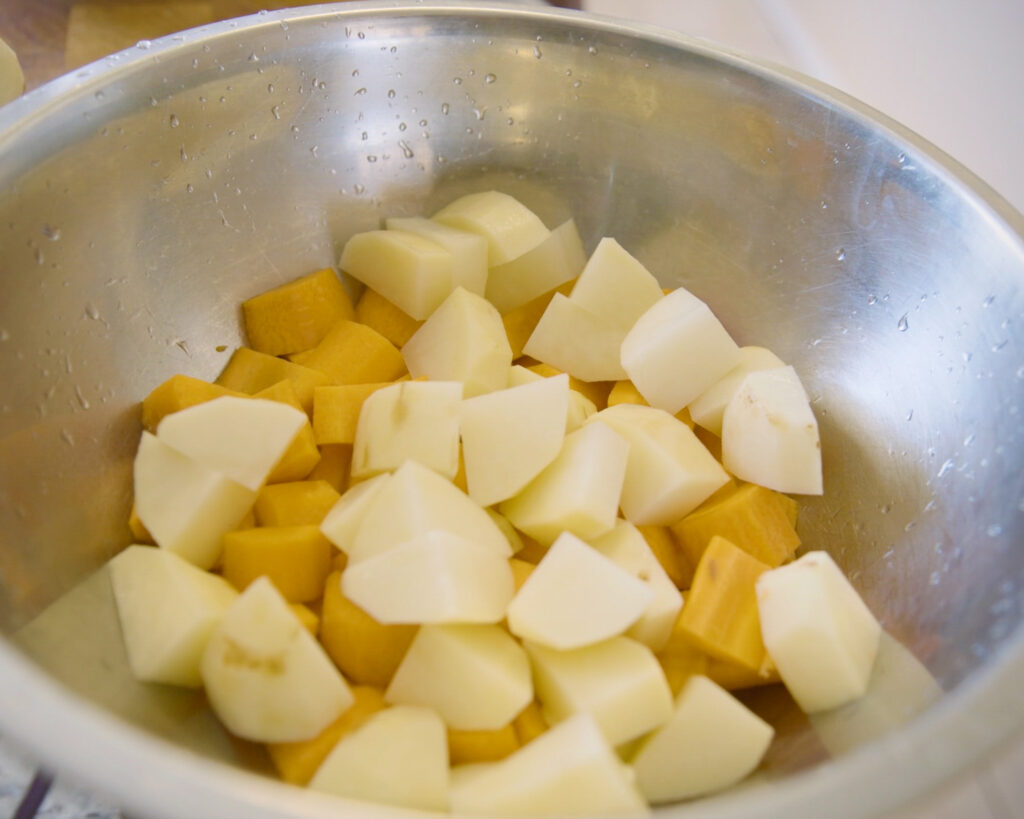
[[143, 199]]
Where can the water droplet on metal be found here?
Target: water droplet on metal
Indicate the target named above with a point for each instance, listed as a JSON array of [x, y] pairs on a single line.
[[275, 111], [406, 150], [143, 44], [489, 78], [51, 233], [67, 437], [173, 121], [183, 154], [457, 80], [445, 108], [358, 188], [591, 49], [872, 299], [391, 93], [4, 334], [903, 325], [371, 158], [359, 92], [99, 95], [254, 57], [946, 466], [993, 530], [840, 255], [83, 402], [935, 578], [537, 52]]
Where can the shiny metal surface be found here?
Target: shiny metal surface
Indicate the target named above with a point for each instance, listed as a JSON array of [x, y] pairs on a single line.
[[143, 197]]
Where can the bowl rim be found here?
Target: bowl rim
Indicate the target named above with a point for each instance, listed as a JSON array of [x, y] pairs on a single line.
[[154, 777]]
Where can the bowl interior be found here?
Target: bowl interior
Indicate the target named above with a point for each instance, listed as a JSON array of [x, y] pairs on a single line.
[[142, 199]]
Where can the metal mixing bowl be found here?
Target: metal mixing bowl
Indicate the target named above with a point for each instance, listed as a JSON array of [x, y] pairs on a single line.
[[144, 196]]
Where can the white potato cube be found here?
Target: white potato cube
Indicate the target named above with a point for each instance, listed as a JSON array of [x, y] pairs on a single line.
[[266, 676], [399, 756], [436, 577], [510, 228], [167, 608], [708, 408], [580, 407], [578, 492], [416, 500], [617, 681], [556, 260], [464, 340], [242, 438], [186, 506], [412, 272], [669, 472], [817, 630], [341, 524], [409, 420], [625, 546], [770, 435], [569, 770], [576, 596], [577, 341], [477, 677], [710, 742], [615, 287], [510, 435], [676, 350], [469, 251]]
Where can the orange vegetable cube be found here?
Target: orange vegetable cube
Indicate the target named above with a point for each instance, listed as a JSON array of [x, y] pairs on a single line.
[[177, 393], [310, 619], [755, 519], [386, 318], [481, 746], [520, 571], [530, 723], [596, 391], [720, 614], [297, 315], [302, 454], [672, 559], [624, 392], [294, 503], [367, 652], [521, 321], [352, 353], [140, 534], [335, 464], [295, 558], [336, 411], [298, 761], [250, 371]]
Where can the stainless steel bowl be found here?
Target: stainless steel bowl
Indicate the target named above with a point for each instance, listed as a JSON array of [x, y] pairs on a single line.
[[144, 196]]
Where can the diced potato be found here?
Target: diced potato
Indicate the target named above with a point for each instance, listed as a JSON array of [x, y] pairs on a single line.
[[708, 408], [477, 677], [399, 756], [625, 392], [556, 260], [576, 596], [294, 503], [367, 652], [177, 393], [657, 353], [468, 250], [409, 420], [511, 229], [266, 678], [334, 466], [167, 609], [819, 633], [577, 492], [466, 747], [615, 286], [336, 411], [596, 392], [250, 371], [720, 614], [390, 321], [296, 315], [352, 353], [749, 516], [297, 559], [463, 340], [298, 761], [577, 341], [712, 741], [617, 681]]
